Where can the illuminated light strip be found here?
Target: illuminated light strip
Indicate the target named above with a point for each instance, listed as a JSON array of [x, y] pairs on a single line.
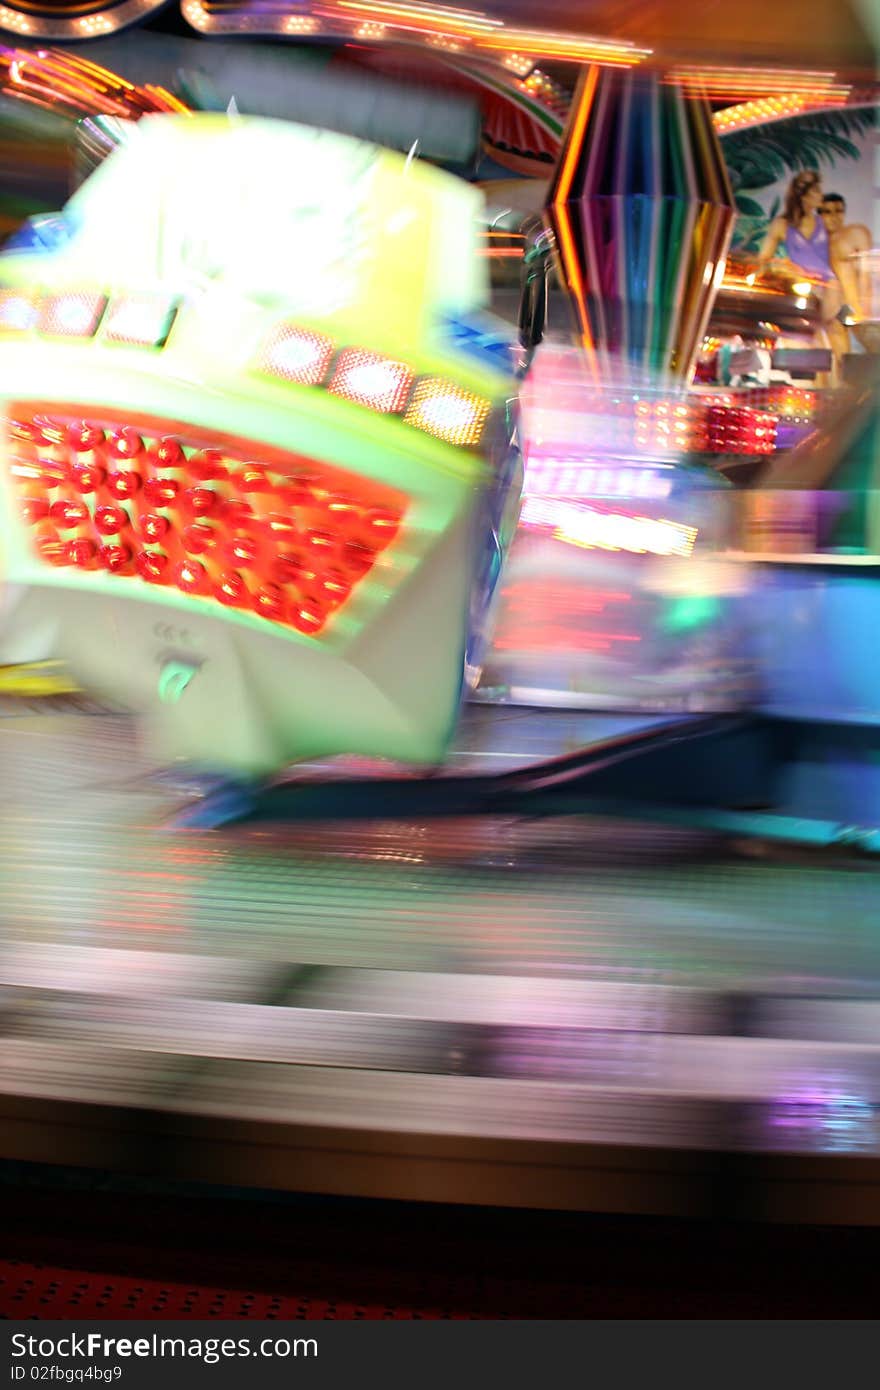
[[440, 25], [167, 99], [433, 404], [138, 320], [583, 49], [592, 529], [50, 78], [560, 204], [432, 18], [14, 19], [87, 65], [448, 45], [720, 81], [195, 14], [90, 73], [116, 17], [553, 477], [519, 64], [764, 109], [95, 24]]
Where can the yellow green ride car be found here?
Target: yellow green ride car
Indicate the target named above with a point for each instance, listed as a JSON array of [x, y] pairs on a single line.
[[259, 465]]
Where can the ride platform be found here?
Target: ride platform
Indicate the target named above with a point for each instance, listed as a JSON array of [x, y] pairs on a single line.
[[560, 1012]]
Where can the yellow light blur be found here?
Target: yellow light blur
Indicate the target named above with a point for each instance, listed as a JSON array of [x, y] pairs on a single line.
[[448, 412], [584, 49], [774, 108], [429, 18]]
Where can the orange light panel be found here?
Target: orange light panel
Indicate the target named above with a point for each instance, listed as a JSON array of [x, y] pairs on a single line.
[[296, 354], [139, 320], [19, 311], [224, 521], [71, 315], [372, 380], [447, 412]]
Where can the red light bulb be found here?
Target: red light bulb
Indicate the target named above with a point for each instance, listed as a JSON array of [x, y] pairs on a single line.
[[152, 566], [199, 537], [160, 492], [51, 431], [344, 513], [281, 527], [27, 430], [308, 617], [335, 587], [51, 474], [242, 550], [68, 514], [200, 501], [191, 577], [33, 509], [358, 558], [252, 479], [110, 520], [87, 477], [52, 551], [153, 527], [269, 602], [231, 589], [82, 553], [235, 512], [169, 454], [125, 443], [84, 437], [114, 557], [320, 542], [124, 484], [380, 527], [289, 568], [296, 496], [207, 465]]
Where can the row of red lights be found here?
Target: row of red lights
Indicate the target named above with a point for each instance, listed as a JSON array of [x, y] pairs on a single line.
[[708, 425], [289, 546]]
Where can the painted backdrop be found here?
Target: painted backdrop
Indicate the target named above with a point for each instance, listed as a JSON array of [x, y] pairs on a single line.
[[762, 161]]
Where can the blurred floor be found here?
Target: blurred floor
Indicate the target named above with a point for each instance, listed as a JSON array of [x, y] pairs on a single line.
[[95, 1253], [560, 1013]]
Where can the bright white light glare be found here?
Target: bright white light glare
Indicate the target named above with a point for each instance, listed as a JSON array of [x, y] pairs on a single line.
[[802, 287], [595, 530], [140, 320], [71, 315], [292, 355], [447, 414], [550, 477], [373, 379], [17, 312], [800, 303]]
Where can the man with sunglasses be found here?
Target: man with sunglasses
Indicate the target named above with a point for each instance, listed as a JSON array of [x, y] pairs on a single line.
[[848, 245]]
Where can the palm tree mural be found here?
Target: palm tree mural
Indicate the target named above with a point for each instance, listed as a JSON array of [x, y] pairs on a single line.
[[761, 156]]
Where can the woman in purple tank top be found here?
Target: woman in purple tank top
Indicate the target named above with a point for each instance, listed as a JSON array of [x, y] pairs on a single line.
[[802, 234]]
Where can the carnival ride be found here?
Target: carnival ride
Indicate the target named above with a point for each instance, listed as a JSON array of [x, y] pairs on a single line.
[[287, 549], [516, 957]]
